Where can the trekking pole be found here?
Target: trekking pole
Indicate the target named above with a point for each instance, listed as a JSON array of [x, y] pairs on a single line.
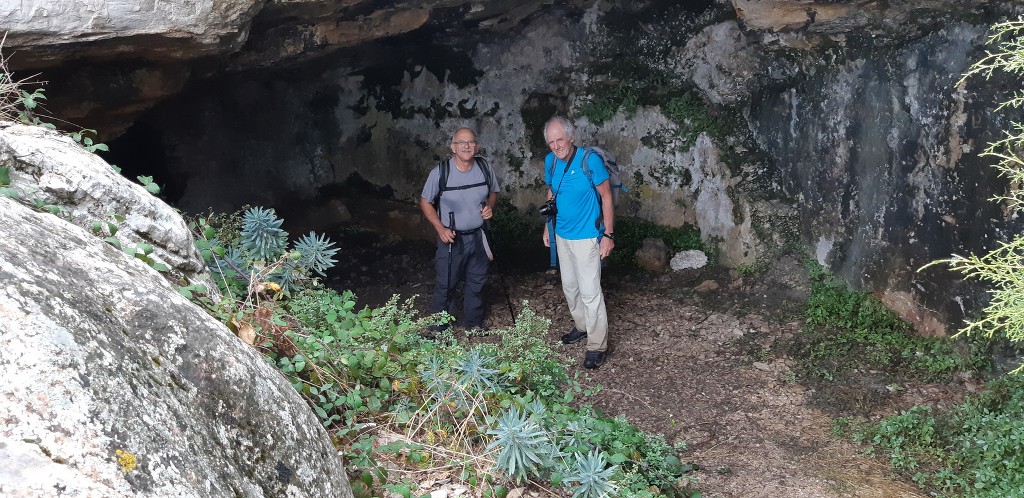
[[501, 276], [448, 289]]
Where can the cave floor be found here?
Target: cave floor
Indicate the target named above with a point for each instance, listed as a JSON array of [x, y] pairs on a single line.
[[705, 367]]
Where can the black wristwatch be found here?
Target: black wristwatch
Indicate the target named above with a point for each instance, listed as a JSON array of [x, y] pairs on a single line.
[[609, 236]]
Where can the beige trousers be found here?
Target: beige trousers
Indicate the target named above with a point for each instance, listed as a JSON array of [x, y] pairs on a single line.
[[580, 266]]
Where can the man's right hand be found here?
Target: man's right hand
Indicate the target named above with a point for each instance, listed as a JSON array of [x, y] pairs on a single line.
[[545, 238], [447, 235]]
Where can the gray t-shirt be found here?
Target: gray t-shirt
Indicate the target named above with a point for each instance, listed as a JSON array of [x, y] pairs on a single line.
[[465, 203]]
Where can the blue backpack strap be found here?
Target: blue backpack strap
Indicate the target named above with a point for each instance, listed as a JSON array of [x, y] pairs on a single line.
[[552, 249], [587, 151], [549, 166]]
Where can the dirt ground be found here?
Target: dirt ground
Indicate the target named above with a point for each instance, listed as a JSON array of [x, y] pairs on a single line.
[[701, 363]]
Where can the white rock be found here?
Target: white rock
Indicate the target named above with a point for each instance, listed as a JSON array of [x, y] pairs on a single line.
[[688, 259]]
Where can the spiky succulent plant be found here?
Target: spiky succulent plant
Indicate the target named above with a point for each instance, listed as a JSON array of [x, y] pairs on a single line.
[[316, 252], [522, 444], [591, 473], [262, 236]]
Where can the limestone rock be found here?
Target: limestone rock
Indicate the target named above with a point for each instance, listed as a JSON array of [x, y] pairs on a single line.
[[48, 31], [50, 167], [684, 260], [888, 19], [653, 255], [116, 385], [720, 62]]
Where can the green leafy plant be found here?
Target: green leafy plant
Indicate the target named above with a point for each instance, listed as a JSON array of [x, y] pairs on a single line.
[[848, 330], [971, 450], [147, 182]]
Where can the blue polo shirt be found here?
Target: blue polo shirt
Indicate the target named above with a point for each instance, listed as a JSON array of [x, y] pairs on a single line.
[[579, 205]]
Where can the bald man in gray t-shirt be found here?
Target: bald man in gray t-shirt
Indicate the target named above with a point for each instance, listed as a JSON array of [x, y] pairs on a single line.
[[466, 202]]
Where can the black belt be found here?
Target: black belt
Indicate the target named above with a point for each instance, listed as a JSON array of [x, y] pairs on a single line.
[[467, 232]]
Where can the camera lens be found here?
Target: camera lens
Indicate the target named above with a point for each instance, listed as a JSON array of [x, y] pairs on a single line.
[[548, 208]]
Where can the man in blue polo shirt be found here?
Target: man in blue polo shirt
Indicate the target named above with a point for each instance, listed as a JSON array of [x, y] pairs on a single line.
[[584, 225]]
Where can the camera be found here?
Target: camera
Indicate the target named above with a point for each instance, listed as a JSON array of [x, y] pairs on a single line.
[[548, 208]]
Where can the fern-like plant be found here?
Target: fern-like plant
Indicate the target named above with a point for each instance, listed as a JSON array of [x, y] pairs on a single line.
[[591, 473], [522, 444]]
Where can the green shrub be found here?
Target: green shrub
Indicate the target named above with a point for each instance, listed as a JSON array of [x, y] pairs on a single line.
[[848, 330], [971, 450]]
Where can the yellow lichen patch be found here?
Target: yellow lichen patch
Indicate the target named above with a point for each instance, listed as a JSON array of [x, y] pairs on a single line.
[[126, 460]]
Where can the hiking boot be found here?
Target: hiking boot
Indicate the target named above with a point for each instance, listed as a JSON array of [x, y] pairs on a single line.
[[575, 335], [594, 359]]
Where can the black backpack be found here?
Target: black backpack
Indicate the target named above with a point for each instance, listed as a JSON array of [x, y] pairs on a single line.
[[443, 168]]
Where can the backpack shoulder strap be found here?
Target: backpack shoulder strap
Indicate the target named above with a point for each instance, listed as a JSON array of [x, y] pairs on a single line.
[[442, 180], [486, 169], [587, 151]]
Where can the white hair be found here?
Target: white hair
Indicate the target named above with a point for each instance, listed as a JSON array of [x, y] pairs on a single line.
[[570, 130]]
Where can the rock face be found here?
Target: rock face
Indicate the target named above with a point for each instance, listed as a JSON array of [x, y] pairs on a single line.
[[108, 61], [50, 168], [834, 127], [115, 385]]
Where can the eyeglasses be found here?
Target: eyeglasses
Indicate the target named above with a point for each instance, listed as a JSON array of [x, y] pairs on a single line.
[[463, 143]]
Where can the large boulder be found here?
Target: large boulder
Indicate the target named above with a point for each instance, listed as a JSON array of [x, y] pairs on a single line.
[[50, 168], [116, 385]]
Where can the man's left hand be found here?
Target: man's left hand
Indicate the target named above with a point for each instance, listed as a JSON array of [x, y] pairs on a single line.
[[486, 212], [606, 246]]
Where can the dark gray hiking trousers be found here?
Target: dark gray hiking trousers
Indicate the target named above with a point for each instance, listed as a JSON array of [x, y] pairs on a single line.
[[468, 261]]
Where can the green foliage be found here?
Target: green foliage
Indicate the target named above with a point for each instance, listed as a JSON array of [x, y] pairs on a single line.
[[848, 330], [606, 101], [631, 232], [246, 260], [316, 252], [692, 116], [149, 184], [87, 143], [1001, 267], [971, 450]]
